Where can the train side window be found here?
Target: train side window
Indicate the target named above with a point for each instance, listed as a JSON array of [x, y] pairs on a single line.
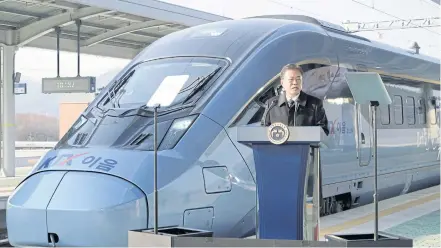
[[385, 114], [317, 81], [410, 110], [421, 110], [398, 110], [432, 111], [253, 113]]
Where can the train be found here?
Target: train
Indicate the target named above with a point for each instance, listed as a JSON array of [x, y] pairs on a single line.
[[96, 184]]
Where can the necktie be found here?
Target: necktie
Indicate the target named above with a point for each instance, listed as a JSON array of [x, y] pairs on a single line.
[[291, 103]]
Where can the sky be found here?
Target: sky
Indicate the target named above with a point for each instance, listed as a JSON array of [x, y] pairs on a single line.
[[335, 11], [339, 11]]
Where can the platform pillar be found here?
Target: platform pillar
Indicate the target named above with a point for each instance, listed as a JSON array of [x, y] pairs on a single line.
[[8, 115]]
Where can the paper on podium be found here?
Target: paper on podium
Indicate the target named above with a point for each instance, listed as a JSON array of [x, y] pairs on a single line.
[[168, 90], [367, 87]]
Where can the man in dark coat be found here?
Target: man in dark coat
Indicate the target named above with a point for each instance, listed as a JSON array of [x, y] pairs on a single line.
[[293, 107]]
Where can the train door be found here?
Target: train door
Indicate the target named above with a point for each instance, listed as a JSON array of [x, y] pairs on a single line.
[[363, 122], [364, 142]]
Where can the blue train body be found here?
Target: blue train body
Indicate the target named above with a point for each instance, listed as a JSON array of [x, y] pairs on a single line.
[[97, 183]]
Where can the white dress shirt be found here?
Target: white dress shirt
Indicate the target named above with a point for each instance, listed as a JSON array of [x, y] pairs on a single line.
[[294, 98]]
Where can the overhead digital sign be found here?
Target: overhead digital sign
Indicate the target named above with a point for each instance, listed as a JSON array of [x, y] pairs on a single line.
[[20, 88], [68, 85]]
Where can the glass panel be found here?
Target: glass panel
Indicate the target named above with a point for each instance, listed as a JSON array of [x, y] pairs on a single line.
[[398, 110], [146, 82], [410, 110]]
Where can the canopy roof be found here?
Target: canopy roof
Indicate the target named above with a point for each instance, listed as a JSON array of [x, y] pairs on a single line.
[[107, 27]]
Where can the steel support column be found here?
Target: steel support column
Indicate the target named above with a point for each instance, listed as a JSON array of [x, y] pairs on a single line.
[[8, 118]]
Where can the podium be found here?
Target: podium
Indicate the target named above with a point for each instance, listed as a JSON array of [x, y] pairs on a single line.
[[287, 178]]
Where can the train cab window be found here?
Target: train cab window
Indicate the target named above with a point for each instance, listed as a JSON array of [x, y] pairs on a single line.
[[385, 114], [410, 110], [168, 81], [398, 110], [421, 111]]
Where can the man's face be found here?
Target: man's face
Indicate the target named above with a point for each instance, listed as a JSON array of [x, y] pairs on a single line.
[[292, 82]]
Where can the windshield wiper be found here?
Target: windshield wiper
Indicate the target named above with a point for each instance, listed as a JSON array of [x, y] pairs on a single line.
[[203, 81], [175, 109], [115, 89], [143, 108], [150, 112]]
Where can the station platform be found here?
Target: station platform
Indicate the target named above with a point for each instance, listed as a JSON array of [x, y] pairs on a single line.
[[24, 158], [414, 215]]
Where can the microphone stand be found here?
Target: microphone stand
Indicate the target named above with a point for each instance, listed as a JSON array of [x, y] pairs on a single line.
[[374, 105], [155, 168]]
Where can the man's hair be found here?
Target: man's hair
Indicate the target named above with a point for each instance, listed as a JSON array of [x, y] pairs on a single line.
[[290, 67]]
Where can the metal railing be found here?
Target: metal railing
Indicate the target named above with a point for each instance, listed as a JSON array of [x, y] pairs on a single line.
[[30, 145]]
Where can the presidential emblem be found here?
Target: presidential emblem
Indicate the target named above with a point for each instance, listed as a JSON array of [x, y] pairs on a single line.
[[278, 133]]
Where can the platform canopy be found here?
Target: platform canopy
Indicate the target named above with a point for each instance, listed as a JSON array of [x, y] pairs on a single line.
[[108, 27]]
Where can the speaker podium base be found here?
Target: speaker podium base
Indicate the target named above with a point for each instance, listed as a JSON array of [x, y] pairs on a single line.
[[186, 237], [166, 236], [367, 240]]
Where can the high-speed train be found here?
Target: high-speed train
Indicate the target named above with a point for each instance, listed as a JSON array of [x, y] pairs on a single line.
[[97, 182]]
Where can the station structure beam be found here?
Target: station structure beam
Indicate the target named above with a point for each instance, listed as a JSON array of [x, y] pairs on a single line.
[[156, 10], [121, 31], [39, 28], [393, 24]]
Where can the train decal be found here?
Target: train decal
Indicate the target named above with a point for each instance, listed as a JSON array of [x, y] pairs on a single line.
[[340, 127], [98, 163]]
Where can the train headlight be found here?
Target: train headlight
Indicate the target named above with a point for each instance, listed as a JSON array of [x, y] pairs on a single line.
[[176, 131]]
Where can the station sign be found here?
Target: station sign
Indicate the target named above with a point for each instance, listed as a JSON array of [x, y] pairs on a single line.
[[20, 88], [69, 85]]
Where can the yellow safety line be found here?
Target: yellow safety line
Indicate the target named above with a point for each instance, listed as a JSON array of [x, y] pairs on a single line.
[[362, 220], [7, 189]]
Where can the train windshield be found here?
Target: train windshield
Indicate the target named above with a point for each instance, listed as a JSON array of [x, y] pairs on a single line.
[[168, 82]]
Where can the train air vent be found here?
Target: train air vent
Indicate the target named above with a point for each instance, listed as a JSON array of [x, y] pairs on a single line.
[[81, 137], [140, 138]]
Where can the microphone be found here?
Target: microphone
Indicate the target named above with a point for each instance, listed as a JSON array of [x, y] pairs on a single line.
[[267, 111]]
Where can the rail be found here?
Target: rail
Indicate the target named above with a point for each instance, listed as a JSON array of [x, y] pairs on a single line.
[[29, 145]]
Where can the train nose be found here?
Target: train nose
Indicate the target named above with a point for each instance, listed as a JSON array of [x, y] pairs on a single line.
[[76, 209]]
